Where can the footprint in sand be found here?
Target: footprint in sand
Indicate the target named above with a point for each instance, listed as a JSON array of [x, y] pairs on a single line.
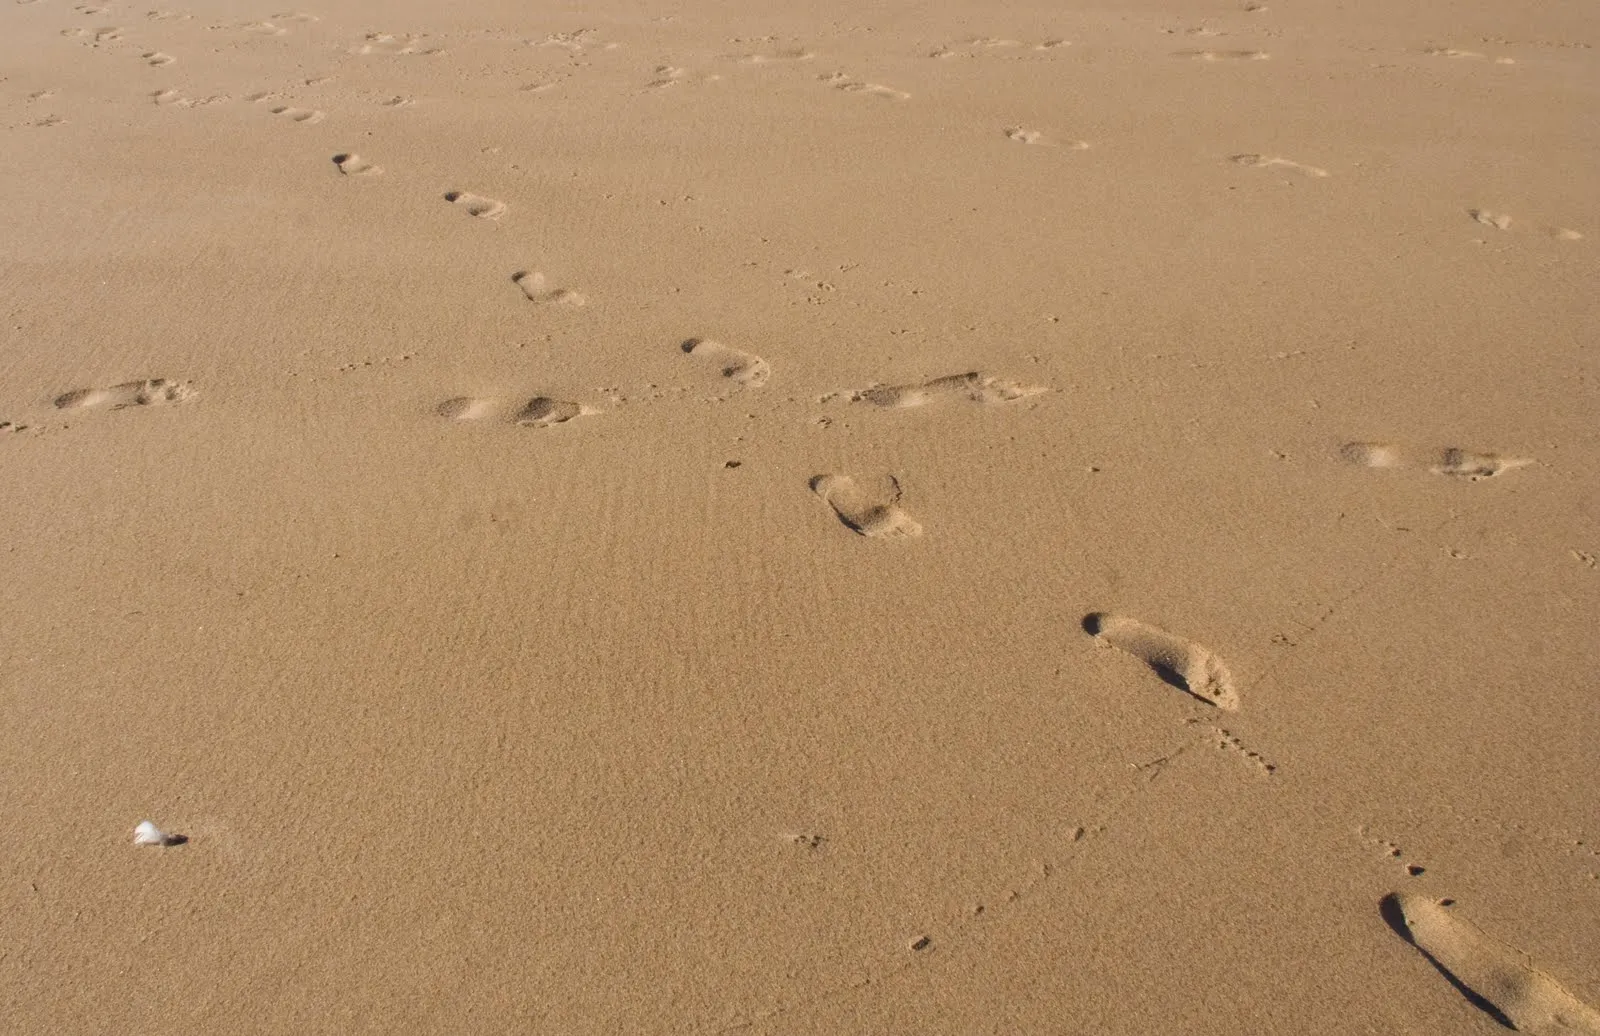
[[1448, 460], [305, 115], [1452, 52], [1494, 977], [536, 289], [869, 511], [1183, 664], [352, 164], [1497, 220], [840, 81], [973, 386], [1222, 55], [156, 59], [787, 55], [154, 392], [477, 205], [738, 366], [1267, 162], [538, 412], [1022, 135]]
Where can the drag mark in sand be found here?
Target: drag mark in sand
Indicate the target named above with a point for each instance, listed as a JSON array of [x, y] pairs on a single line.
[[154, 392], [871, 511], [1448, 460], [477, 205], [538, 412], [744, 369], [1183, 664], [1494, 977], [971, 386], [535, 288]]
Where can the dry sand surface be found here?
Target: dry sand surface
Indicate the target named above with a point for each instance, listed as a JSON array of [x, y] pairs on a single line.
[[777, 518]]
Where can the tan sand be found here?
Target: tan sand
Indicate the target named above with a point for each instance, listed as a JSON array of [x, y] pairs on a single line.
[[702, 518]]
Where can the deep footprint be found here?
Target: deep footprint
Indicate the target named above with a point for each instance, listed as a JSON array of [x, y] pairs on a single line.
[[155, 392], [1494, 977], [477, 205], [1448, 460], [355, 165], [536, 289], [869, 512], [973, 386], [1181, 663], [746, 369], [538, 412]]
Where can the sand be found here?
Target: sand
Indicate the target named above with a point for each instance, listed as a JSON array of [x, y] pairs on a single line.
[[700, 518]]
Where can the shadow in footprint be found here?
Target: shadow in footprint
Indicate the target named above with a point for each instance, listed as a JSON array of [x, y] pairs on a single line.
[[1395, 917], [867, 511], [1190, 668]]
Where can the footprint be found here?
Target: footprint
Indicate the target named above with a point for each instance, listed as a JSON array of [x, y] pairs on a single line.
[[1497, 220], [790, 54], [1264, 162], [1452, 52], [477, 205], [156, 59], [744, 368], [538, 412], [869, 512], [155, 392], [1185, 665], [533, 285], [1448, 460], [1027, 136], [670, 75], [840, 81], [307, 115], [352, 164], [1222, 55], [1563, 234], [973, 386], [1494, 977]]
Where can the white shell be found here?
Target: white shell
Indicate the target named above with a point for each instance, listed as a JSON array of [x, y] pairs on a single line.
[[149, 834]]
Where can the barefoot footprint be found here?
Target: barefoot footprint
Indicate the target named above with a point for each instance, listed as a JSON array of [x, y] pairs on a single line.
[[477, 205], [1446, 460], [1181, 663], [973, 386], [355, 165], [536, 289], [1495, 977], [154, 392], [538, 412], [870, 511], [746, 369]]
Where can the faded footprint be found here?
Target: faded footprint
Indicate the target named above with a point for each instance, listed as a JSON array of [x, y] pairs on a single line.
[[870, 511], [477, 205], [1449, 460], [1022, 135], [1265, 162], [538, 412], [973, 386], [746, 369], [840, 81], [536, 289], [1497, 220], [154, 392], [306, 115], [1181, 663], [788, 54], [354, 165], [1222, 55], [1493, 976], [156, 59]]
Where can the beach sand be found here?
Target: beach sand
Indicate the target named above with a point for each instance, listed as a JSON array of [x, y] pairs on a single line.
[[700, 518]]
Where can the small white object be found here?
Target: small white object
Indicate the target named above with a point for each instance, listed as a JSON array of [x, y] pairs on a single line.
[[149, 834]]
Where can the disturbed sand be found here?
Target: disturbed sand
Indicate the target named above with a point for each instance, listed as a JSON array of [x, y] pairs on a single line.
[[711, 518]]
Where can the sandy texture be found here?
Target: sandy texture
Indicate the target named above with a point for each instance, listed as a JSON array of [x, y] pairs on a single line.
[[777, 518]]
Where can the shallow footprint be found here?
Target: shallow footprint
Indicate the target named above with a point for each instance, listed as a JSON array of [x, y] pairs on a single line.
[[1222, 55], [154, 392], [871, 511], [1449, 460], [1493, 976], [973, 386], [536, 289], [477, 205], [744, 368], [1181, 663], [1497, 220], [307, 115], [1268, 162], [355, 165], [538, 412]]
